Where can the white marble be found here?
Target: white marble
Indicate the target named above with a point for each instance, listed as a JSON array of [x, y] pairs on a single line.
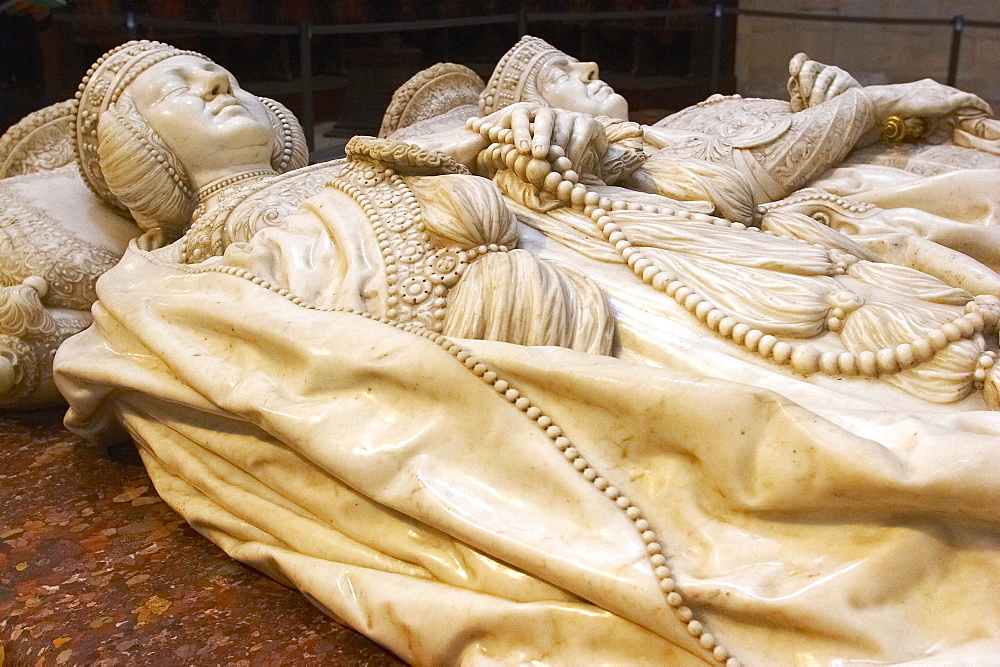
[[549, 386], [62, 226]]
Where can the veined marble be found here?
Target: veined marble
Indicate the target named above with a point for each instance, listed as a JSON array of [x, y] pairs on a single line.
[[534, 383]]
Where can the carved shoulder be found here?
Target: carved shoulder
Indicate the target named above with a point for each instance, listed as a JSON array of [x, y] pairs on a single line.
[[246, 210]]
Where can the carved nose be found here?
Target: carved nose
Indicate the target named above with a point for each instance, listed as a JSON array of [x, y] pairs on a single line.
[[214, 82], [588, 71]]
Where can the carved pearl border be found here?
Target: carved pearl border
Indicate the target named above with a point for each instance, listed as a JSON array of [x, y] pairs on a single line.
[[556, 176], [654, 548]]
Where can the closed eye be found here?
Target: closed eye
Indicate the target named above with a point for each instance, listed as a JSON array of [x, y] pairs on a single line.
[[173, 90], [555, 74]]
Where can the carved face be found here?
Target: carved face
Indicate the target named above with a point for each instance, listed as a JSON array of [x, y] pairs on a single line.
[[203, 116], [567, 83]]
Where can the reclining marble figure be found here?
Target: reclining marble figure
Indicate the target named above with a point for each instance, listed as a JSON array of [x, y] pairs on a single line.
[[61, 227], [581, 435], [726, 131]]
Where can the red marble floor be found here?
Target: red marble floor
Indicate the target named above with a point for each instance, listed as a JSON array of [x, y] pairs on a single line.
[[96, 570]]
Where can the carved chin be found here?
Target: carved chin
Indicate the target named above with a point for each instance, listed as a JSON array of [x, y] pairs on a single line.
[[616, 107], [243, 131]]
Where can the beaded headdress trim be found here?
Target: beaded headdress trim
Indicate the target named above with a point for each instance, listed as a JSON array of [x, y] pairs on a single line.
[[514, 70], [103, 84]]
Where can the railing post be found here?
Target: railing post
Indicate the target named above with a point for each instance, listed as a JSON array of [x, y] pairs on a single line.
[[305, 73], [717, 12], [957, 26]]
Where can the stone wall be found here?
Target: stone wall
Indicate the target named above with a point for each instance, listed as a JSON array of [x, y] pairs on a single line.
[[872, 53]]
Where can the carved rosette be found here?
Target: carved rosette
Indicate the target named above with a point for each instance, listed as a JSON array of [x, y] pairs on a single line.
[[418, 275]]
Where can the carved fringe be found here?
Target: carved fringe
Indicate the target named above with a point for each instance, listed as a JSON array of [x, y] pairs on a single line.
[[22, 313]]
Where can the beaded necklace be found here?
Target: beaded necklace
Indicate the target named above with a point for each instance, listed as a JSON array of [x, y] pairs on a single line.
[[202, 239], [555, 175], [215, 186]]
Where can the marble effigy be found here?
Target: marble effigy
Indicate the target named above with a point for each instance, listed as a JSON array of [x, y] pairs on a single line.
[[61, 227], [540, 384]]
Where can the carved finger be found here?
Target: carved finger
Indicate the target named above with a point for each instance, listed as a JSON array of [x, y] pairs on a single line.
[[842, 83], [975, 102], [563, 131], [989, 129], [822, 86], [520, 125], [807, 76], [582, 138], [542, 134], [501, 118], [969, 140], [838, 87], [796, 63]]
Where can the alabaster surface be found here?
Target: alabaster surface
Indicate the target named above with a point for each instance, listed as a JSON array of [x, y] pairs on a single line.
[[542, 385], [56, 238], [61, 226]]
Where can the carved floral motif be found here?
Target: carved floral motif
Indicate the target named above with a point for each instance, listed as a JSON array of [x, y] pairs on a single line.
[[33, 244], [40, 141]]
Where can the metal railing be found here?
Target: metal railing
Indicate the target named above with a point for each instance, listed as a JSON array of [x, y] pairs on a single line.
[[133, 24], [958, 24]]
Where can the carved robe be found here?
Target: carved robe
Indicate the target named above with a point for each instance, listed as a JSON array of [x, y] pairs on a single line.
[[409, 493]]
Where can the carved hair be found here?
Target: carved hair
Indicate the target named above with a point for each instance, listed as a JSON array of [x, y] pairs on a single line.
[[686, 179], [142, 172]]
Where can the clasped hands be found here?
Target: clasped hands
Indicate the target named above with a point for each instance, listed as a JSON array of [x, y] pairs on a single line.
[[978, 131], [535, 130]]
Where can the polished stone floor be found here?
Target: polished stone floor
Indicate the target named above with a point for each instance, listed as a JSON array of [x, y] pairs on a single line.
[[96, 570]]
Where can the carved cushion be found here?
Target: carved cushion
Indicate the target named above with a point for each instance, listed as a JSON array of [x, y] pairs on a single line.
[[69, 239], [431, 92], [38, 142]]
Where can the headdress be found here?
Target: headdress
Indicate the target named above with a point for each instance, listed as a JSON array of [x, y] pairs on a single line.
[[103, 84], [516, 70], [145, 177]]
